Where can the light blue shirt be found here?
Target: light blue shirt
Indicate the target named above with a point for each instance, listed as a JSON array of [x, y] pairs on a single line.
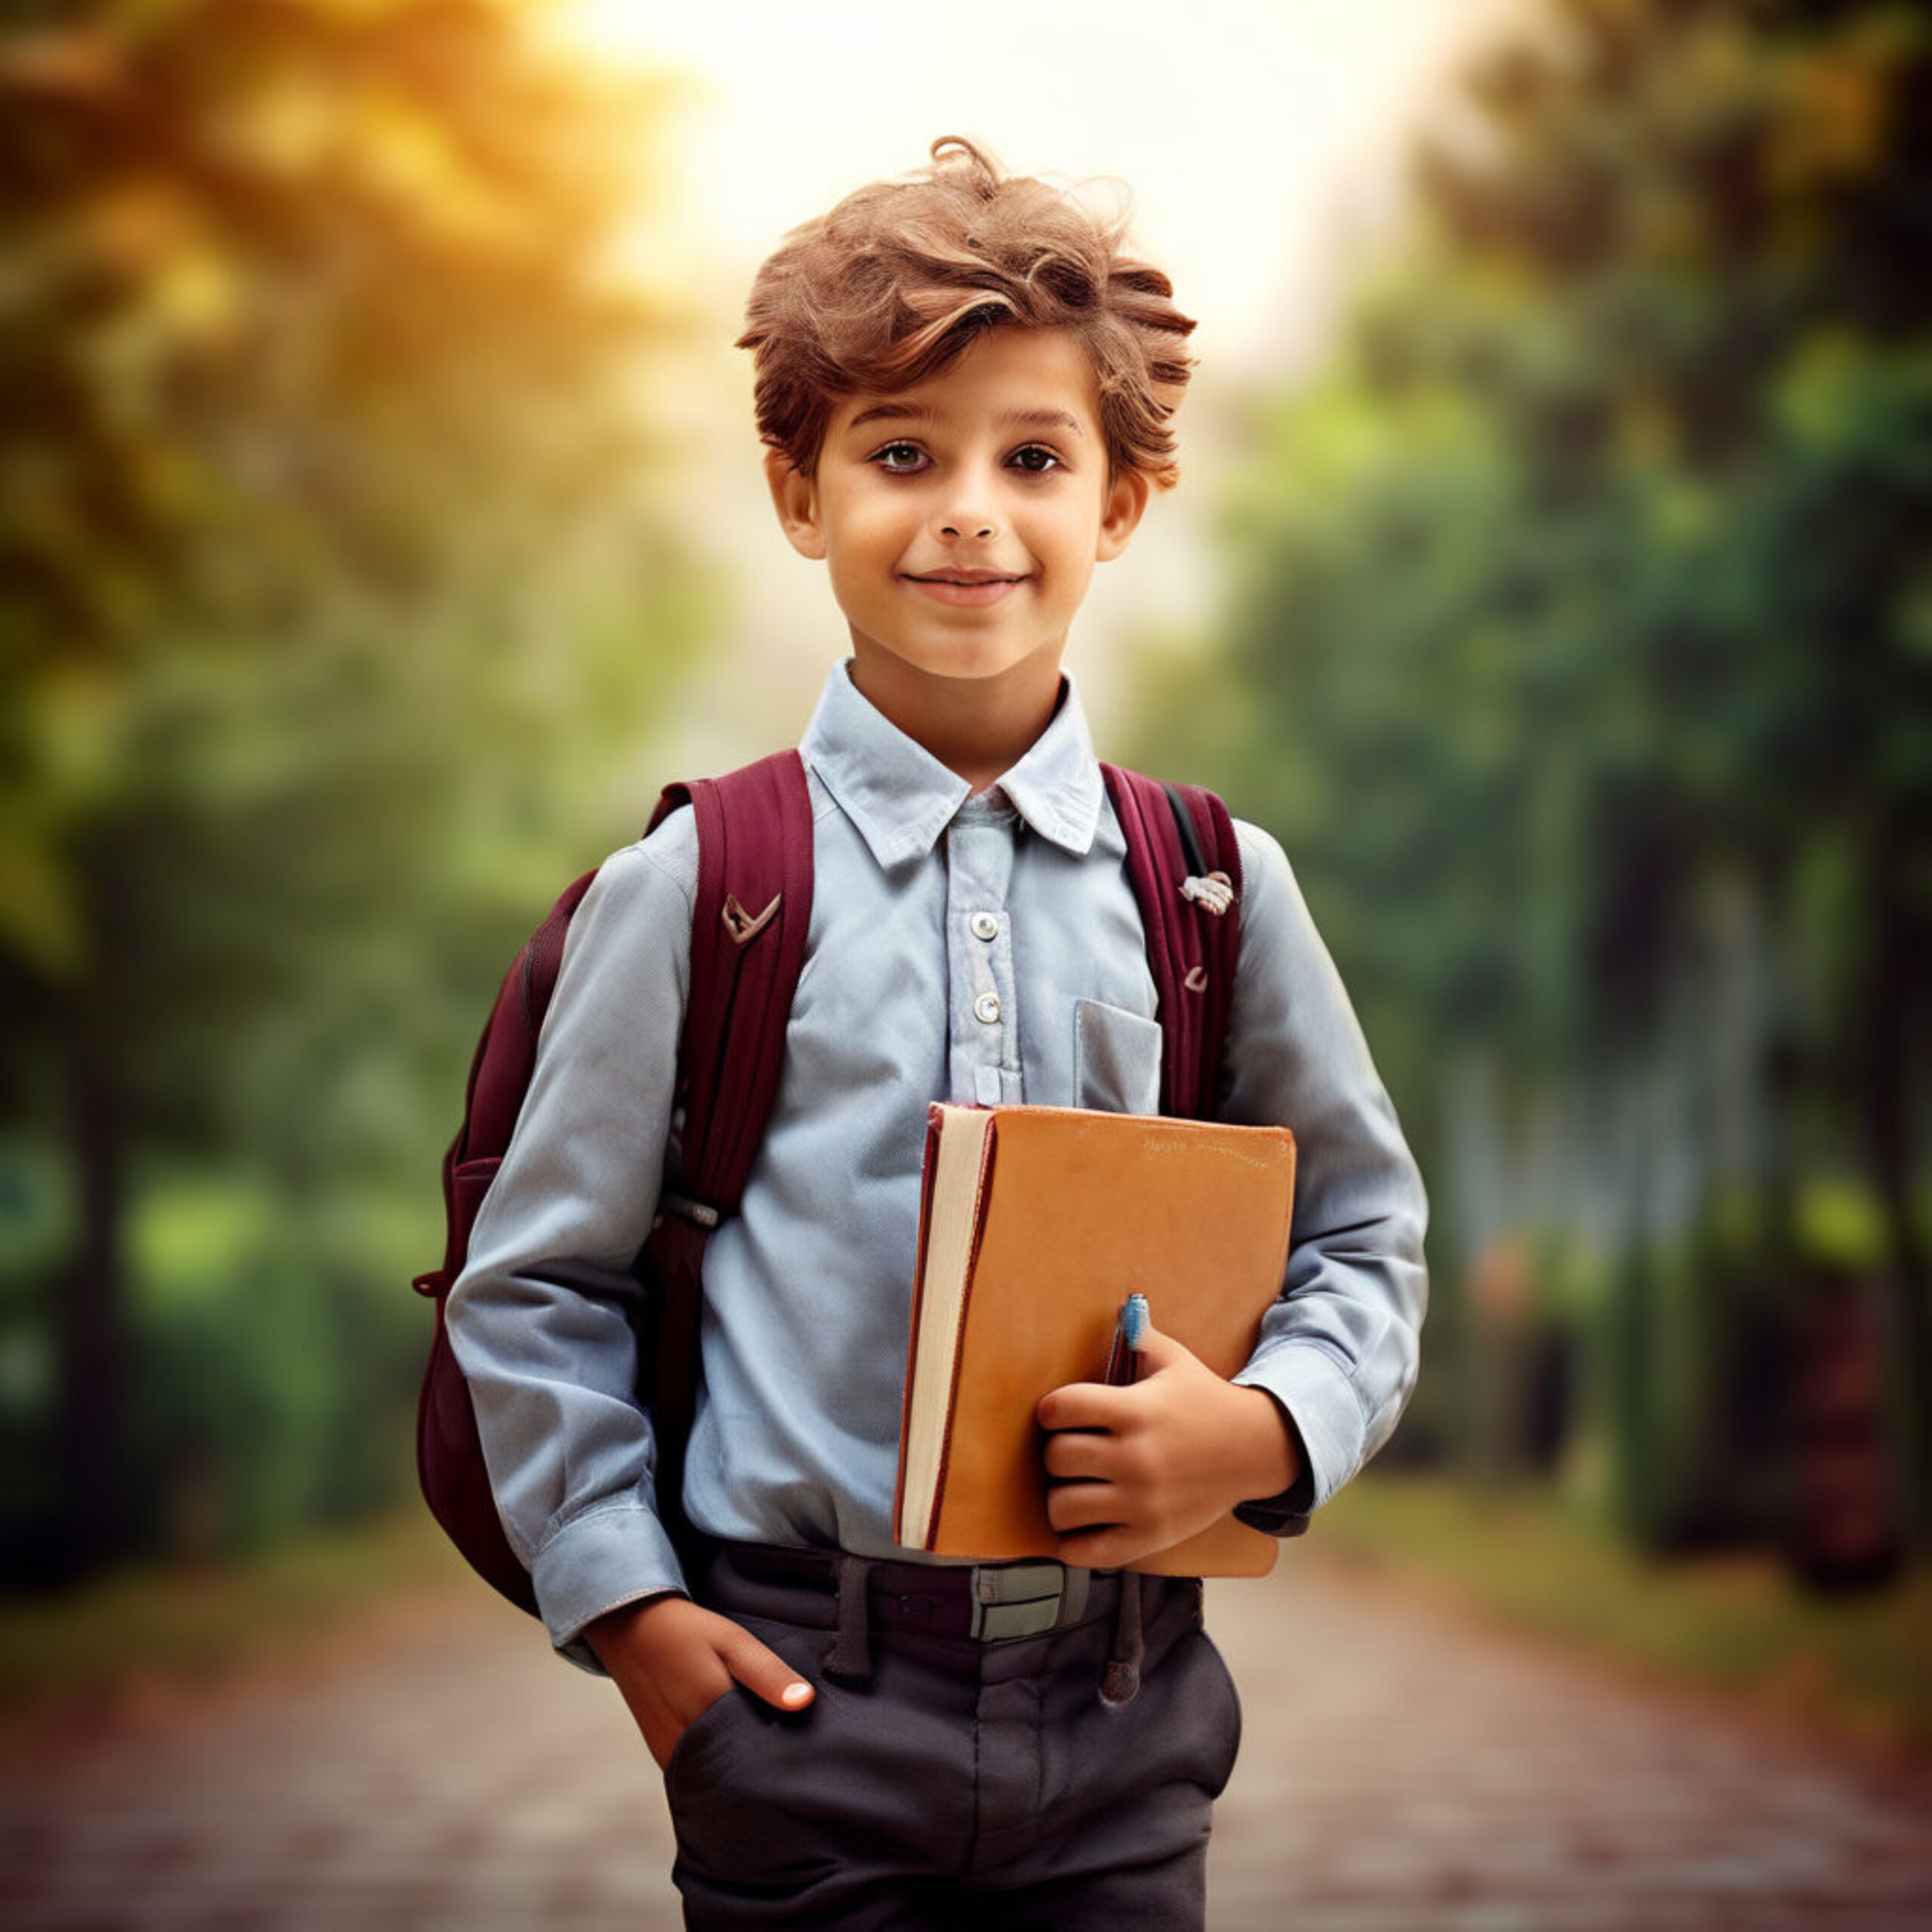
[[983, 949]]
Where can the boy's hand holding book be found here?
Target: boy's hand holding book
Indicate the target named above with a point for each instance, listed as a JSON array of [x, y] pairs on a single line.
[[1138, 1468]]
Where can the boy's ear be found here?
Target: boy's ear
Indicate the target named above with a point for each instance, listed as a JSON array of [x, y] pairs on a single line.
[[1120, 516], [795, 499]]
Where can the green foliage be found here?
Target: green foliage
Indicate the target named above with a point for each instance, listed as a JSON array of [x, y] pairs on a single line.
[[1691, 1397], [277, 1356], [1582, 607], [331, 606], [1839, 1228], [318, 383], [1589, 562]]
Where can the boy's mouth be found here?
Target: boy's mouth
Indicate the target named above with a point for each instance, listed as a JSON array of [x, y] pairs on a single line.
[[964, 587]]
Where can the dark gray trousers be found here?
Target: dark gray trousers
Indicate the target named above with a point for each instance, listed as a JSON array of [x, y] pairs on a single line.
[[950, 1782]]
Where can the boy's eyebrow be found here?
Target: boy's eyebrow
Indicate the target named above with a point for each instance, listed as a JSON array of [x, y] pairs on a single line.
[[893, 410], [1042, 419]]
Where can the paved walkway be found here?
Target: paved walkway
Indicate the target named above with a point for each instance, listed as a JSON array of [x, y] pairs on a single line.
[[1401, 1768]]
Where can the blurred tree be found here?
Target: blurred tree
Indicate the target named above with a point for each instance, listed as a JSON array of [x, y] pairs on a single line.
[[1584, 647], [327, 577]]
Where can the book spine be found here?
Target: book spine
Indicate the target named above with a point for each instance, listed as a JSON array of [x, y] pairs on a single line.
[[988, 1148], [934, 1115]]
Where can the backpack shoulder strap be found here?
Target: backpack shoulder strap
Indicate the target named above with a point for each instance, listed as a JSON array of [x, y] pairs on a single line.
[[749, 920], [748, 925], [500, 1073], [1185, 867]]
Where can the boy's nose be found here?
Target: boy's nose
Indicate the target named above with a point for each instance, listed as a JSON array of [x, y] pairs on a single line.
[[966, 511]]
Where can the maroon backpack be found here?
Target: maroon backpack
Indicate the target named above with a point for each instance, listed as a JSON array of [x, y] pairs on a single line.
[[748, 923]]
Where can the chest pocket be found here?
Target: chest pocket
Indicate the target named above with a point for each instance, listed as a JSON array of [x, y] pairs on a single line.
[[1116, 1059]]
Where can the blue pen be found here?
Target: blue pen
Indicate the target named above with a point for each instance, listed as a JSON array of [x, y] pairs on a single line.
[[1123, 1358]]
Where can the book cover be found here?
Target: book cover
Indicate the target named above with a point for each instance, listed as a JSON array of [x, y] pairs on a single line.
[[1036, 1223]]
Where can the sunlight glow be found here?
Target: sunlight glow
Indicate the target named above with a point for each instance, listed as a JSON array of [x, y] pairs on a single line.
[[1254, 140]]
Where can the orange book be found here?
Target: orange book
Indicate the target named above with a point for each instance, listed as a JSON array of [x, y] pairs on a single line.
[[1036, 1224]]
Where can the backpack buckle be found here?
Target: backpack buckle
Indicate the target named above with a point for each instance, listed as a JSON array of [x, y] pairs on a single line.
[[744, 926]]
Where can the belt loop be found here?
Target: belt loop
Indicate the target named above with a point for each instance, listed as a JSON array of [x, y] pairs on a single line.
[[1119, 1683], [850, 1657], [1074, 1586]]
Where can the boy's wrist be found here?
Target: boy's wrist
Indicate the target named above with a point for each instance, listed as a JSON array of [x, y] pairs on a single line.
[[1266, 1456], [605, 1633]]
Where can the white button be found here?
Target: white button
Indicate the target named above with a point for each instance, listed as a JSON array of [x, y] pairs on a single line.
[[985, 925], [986, 1008]]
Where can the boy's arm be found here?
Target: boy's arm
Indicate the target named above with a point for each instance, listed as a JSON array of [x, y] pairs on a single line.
[[1339, 1351], [543, 1319], [1336, 1357]]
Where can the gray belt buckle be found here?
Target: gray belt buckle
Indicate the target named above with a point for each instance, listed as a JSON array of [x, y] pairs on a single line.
[[1015, 1600]]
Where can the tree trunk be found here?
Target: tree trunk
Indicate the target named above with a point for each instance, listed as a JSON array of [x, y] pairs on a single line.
[[91, 1317], [1889, 1027]]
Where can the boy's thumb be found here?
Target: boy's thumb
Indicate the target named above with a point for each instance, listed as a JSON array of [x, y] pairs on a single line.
[[1158, 1351], [767, 1675]]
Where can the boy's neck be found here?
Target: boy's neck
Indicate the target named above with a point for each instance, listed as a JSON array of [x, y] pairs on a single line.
[[977, 727]]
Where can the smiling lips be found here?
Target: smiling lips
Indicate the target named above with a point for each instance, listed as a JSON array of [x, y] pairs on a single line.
[[965, 587]]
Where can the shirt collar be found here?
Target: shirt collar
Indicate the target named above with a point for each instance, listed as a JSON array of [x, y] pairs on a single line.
[[902, 798]]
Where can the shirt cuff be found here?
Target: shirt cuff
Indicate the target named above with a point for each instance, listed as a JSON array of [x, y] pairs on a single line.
[[1320, 1402], [611, 1556]]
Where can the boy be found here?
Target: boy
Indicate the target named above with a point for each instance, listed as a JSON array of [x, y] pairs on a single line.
[[965, 390]]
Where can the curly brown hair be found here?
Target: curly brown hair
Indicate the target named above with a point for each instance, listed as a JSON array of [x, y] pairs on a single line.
[[892, 285]]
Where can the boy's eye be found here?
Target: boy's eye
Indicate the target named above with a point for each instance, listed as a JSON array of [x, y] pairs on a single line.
[[900, 459], [1035, 459]]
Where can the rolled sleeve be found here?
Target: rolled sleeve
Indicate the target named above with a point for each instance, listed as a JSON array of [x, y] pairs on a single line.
[[544, 1318], [1339, 1351], [1317, 1394], [597, 1562]]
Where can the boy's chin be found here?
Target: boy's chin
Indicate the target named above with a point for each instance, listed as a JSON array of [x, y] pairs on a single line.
[[965, 665]]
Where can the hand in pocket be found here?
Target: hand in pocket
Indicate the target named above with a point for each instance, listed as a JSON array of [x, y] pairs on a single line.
[[673, 1659]]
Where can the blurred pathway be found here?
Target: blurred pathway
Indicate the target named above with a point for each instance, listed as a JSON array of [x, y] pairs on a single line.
[[1401, 1769]]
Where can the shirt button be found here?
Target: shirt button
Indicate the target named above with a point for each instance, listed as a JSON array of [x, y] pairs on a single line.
[[986, 1008], [985, 925]]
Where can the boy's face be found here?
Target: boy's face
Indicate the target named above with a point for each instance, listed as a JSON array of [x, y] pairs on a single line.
[[961, 519]]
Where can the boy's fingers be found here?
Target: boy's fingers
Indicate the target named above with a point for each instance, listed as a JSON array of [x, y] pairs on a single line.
[[1098, 1405], [765, 1674], [1079, 1452], [1082, 1506], [1079, 1405]]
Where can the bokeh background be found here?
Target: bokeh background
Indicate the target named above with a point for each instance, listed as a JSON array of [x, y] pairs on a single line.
[[381, 525]]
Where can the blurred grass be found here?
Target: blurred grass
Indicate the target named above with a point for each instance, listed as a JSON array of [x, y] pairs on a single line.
[[1529, 1558], [1735, 1624], [178, 1627]]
